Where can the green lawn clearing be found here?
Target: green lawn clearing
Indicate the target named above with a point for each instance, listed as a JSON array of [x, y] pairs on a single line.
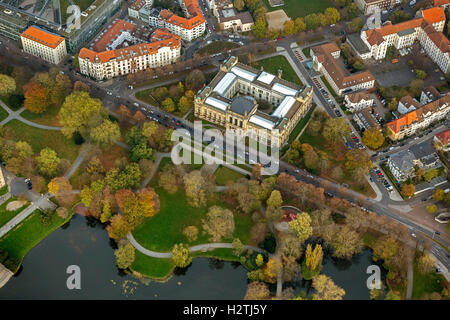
[[28, 234], [426, 283], [224, 174], [273, 64], [6, 215], [47, 118], [40, 138]]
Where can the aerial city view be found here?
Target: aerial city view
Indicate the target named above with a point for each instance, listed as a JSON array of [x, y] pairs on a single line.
[[224, 150]]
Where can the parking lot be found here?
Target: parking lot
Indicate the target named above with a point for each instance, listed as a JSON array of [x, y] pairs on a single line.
[[401, 73]]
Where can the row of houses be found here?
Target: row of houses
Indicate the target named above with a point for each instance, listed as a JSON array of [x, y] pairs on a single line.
[[190, 27], [119, 58], [426, 28], [325, 60]]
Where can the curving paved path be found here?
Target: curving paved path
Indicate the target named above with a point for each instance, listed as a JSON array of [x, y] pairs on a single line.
[[199, 247]]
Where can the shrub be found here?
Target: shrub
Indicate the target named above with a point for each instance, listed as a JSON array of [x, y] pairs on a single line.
[[269, 243]]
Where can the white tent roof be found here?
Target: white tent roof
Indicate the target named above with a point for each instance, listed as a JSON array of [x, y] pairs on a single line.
[[216, 103], [259, 121], [284, 90], [247, 75], [284, 107], [225, 83]]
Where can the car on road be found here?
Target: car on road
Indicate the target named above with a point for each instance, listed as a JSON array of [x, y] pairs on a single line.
[[279, 38], [29, 184], [338, 113], [371, 179]]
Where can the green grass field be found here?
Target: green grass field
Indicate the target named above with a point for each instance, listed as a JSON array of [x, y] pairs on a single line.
[[273, 64], [39, 139], [301, 8], [3, 114], [6, 215], [28, 234], [224, 174], [155, 268], [301, 124], [48, 118], [426, 283]]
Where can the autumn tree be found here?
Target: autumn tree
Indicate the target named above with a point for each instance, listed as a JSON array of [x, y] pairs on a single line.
[[124, 256], [7, 85], [274, 203], [335, 129], [271, 270], [36, 98], [438, 194], [80, 113], [106, 134], [81, 86], [181, 255], [373, 138], [345, 242], [118, 228], [301, 226], [219, 223], [426, 263], [61, 188], [191, 233], [195, 80], [195, 186], [168, 105], [408, 190], [257, 291], [148, 199], [313, 261], [48, 162], [326, 289]]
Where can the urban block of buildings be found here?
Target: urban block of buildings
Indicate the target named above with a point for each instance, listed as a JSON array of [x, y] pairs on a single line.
[[442, 141], [358, 100], [366, 119], [231, 101], [403, 164], [427, 29], [325, 58], [237, 22], [119, 58], [190, 27], [14, 20], [419, 118], [43, 44], [369, 6]]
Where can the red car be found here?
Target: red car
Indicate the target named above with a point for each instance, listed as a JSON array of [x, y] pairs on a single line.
[[279, 38]]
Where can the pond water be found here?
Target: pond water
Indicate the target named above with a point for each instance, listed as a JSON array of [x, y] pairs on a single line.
[[86, 244], [351, 275]]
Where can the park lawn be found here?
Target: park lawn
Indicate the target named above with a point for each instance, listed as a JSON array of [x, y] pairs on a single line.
[[426, 283], [47, 118], [307, 52], [4, 190], [221, 253], [162, 231], [144, 96], [155, 268], [218, 46], [273, 64], [6, 215], [3, 114], [301, 8], [224, 174], [28, 234], [40, 138]]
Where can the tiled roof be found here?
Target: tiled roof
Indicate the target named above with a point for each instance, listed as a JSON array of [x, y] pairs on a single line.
[[114, 31], [138, 5], [418, 115], [432, 15], [438, 3], [163, 39], [444, 137], [358, 96], [340, 76], [194, 10], [42, 37]]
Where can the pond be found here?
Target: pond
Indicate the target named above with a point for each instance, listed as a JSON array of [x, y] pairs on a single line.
[[351, 275], [86, 244]]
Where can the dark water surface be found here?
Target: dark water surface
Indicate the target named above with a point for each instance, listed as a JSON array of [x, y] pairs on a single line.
[[86, 244]]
